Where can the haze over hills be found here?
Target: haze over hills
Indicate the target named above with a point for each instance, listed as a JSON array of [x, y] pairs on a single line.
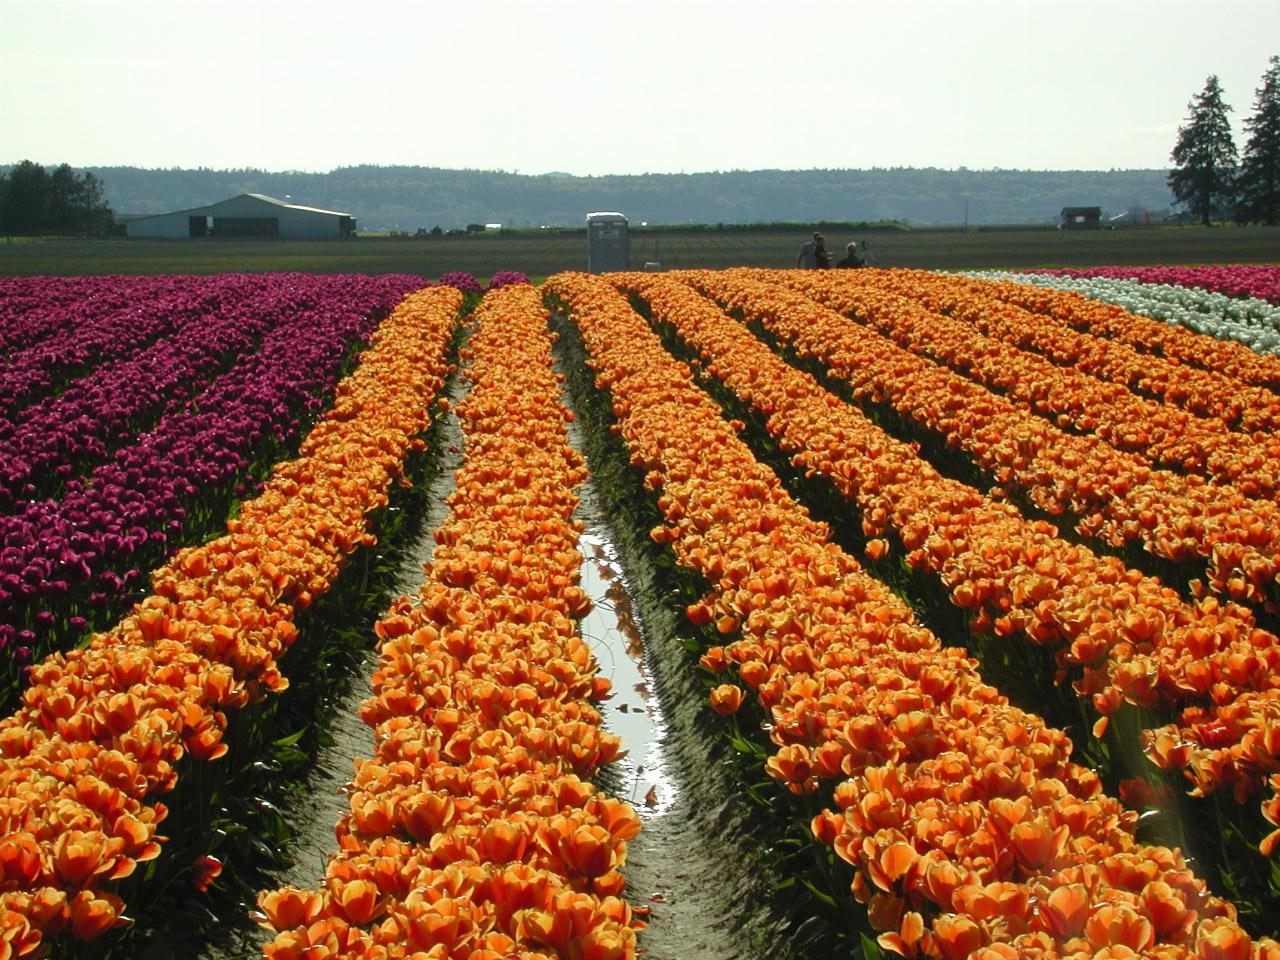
[[406, 198]]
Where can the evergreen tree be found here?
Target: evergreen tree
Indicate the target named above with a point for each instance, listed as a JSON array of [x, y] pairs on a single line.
[[22, 198], [33, 200], [60, 200], [1258, 186], [1204, 158]]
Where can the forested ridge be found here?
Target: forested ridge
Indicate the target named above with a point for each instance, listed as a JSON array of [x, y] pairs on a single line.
[[406, 198]]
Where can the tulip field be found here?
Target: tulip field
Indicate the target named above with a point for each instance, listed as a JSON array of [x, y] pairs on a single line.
[[975, 579]]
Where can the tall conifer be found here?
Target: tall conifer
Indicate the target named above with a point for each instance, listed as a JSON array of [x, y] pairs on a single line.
[[1204, 158], [1258, 186]]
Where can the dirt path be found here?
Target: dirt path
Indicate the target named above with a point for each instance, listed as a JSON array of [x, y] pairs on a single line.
[[691, 865]]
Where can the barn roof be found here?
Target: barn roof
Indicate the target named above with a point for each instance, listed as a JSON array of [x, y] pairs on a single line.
[[292, 206], [256, 196]]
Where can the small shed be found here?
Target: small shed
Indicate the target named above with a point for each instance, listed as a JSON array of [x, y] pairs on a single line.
[[1080, 218], [252, 215], [608, 246]]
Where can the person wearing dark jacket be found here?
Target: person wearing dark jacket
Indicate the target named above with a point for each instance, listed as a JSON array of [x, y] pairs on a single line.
[[851, 259]]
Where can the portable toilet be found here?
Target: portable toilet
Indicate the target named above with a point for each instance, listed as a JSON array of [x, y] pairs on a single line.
[[607, 244]]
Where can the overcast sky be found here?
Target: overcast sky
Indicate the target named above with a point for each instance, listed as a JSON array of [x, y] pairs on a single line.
[[605, 87]]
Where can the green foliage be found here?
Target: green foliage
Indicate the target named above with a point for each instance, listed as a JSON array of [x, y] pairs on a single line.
[[1258, 185], [34, 201], [1204, 157]]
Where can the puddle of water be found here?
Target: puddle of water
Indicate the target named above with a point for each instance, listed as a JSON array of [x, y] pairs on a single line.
[[632, 712]]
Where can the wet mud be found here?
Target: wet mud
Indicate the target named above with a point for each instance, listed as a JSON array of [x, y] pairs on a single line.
[[698, 865]]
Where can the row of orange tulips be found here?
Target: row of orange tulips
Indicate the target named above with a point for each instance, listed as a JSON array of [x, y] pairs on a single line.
[[1202, 392], [1149, 336], [1126, 637], [1161, 434], [971, 833], [102, 730], [471, 834], [1232, 743], [1114, 495]]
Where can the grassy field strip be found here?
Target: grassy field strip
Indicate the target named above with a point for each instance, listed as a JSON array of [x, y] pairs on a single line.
[[542, 253], [104, 730], [966, 823], [471, 833], [1164, 436]]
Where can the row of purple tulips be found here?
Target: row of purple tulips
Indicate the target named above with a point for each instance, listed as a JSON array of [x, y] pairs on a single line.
[[64, 435], [69, 565], [100, 330]]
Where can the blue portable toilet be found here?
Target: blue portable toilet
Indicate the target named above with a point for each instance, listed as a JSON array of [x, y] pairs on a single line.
[[607, 243]]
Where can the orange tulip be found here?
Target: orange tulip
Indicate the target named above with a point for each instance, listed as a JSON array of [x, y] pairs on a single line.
[[289, 908], [20, 864], [957, 936], [726, 698], [80, 855], [358, 902], [1037, 845], [905, 940], [588, 850], [1120, 926], [93, 914], [1065, 911], [1221, 940]]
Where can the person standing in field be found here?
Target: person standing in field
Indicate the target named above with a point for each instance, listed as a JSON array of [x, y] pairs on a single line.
[[851, 256], [821, 254], [868, 258], [813, 255]]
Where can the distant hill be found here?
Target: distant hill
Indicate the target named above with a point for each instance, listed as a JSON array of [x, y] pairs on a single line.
[[405, 198]]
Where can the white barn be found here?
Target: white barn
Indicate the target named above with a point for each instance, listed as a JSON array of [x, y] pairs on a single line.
[[248, 215]]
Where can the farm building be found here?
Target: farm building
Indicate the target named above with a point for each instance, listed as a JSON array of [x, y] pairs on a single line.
[[1080, 218], [248, 215]]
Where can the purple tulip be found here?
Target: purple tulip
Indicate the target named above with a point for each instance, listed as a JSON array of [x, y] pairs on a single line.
[[132, 510], [507, 278], [460, 280], [1234, 280]]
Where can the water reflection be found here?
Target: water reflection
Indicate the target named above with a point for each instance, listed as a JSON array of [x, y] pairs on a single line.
[[633, 712]]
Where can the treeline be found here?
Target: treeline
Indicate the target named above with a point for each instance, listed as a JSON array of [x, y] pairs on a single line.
[[34, 200], [407, 198]]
